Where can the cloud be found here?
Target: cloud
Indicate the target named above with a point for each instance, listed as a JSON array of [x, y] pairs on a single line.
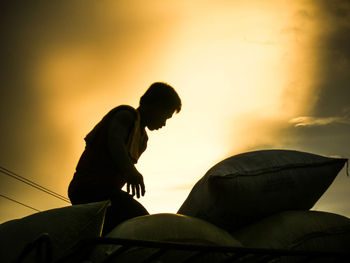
[[315, 121], [334, 58]]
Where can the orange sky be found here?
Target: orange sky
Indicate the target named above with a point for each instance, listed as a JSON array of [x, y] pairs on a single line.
[[244, 70]]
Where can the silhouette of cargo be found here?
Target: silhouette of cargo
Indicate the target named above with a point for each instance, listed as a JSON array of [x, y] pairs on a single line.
[[222, 225]]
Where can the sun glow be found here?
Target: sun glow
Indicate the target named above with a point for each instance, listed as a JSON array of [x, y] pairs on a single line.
[[233, 68], [239, 67]]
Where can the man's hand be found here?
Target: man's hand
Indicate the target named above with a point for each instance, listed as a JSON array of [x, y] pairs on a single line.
[[135, 181]]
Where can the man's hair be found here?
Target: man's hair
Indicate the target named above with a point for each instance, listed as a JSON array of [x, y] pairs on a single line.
[[162, 94]]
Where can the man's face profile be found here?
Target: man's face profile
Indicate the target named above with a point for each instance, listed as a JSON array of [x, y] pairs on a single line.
[[158, 118]]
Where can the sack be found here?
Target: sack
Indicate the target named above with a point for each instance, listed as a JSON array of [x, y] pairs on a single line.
[[65, 226], [298, 230], [249, 186], [165, 227]]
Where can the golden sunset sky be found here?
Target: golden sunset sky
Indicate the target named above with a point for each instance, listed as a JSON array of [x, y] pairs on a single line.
[[256, 74]]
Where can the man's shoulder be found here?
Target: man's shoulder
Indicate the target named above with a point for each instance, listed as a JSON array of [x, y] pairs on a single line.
[[124, 113], [121, 116], [125, 108]]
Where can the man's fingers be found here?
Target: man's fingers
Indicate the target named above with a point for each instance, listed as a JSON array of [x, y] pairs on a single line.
[[142, 185], [133, 190], [143, 189], [138, 191]]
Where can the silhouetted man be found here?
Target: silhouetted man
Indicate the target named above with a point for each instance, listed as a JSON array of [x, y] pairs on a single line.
[[114, 146]]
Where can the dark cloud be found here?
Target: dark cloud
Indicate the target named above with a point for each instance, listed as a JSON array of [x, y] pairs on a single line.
[[336, 8], [326, 128], [334, 66]]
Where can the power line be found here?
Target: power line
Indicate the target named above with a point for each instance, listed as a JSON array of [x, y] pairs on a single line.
[[33, 184], [13, 200]]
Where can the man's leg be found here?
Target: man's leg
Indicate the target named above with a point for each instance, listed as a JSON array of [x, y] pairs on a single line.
[[123, 207], [87, 195]]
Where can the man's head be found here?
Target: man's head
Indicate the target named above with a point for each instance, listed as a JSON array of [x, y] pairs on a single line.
[[158, 104]]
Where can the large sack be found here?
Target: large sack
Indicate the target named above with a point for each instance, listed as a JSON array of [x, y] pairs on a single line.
[[302, 230], [165, 227], [252, 185], [298, 230], [66, 226]]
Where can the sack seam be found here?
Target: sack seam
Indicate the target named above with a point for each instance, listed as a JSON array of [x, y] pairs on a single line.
[[279, 168]]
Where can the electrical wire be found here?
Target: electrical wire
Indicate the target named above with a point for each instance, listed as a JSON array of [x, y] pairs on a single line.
[[33, 184], [13, 200]]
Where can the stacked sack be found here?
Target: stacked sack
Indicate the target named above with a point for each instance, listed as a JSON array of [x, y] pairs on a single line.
[[263, 199], [299, 230], [165, 227], [65, 226]]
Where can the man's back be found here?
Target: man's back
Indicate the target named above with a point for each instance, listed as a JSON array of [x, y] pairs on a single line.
[[97, 168]]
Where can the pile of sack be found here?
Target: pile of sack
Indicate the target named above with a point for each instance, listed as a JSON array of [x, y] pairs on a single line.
[[263, 198], [259, 199]]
